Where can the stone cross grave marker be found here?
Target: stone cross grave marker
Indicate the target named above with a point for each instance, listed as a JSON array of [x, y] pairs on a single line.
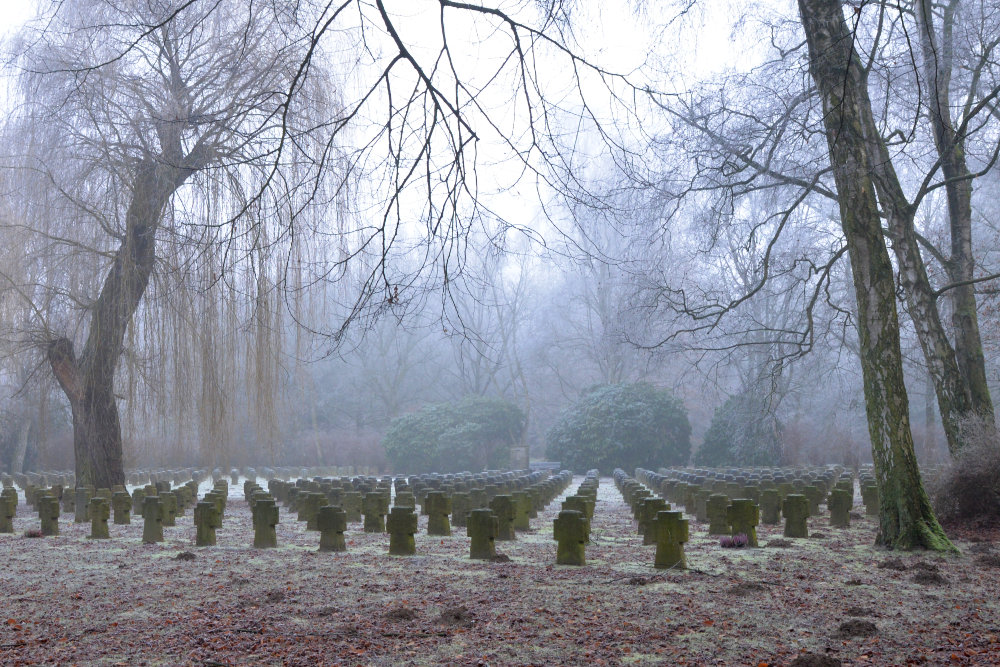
[[570, 532]]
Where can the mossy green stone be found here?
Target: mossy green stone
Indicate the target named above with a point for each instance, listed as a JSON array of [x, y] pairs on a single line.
[[502, 506], [570, 530], [83, 496], [332, 523], [206, 520], [770, 506], [48, 514], [121, 502], [482, 527], [795, 509], [718, 521], [671, 529], [840, 502], [168, 505], [869, 496], [152, 515], [8, 509], [459, 508], [743, 515], [438, 506], [522, 510], [405, 499], [374, 506], [401, 524], [650, 508], [265, 518]]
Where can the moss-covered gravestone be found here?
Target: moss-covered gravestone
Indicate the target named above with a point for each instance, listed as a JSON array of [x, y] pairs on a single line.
[[48, 513], [869, 496], [502, 506], [168, 505], [816, 497], [522, 510], [482, 527], [8, 508], [9, 496], [138, 496], [701, 505], [718, 520], [570, 531], [650, 508], [100, 512], [219, 499], [352, 502], [795, 509], [265, 518], [478, 499], [402, 525], [840, 503], [770, 506], [121, 503], [83, 496], [743, 516], [374, 507], [309, 504], [671, 530], [459, 508], [332, 523], [152, 520], [405, 498], [438, 506], [206, 520]]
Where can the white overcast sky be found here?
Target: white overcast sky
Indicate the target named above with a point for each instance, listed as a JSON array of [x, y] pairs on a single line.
[[13, 13]]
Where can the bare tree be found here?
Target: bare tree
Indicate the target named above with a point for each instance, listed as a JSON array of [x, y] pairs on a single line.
[[906, 518], [124, 105]]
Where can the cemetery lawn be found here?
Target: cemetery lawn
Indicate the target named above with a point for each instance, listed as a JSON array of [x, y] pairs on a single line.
[[68, 599]]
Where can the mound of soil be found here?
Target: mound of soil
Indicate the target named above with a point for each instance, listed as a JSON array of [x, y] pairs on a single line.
[[929, 578], [815, 660], [402, 613], [892, 564], [455, 616], [856, 628]]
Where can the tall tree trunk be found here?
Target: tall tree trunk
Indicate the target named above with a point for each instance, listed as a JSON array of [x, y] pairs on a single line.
[[89, 381], [906, 518], [21, 449], [953, 392], [938, 61]]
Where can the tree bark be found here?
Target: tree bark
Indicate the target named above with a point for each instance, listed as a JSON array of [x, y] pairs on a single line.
[[906, 518], [21, 450], [89, 381], [951, 386], [937, 65]]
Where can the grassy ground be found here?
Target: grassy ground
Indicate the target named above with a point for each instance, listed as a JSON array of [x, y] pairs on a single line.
[[69, 600]]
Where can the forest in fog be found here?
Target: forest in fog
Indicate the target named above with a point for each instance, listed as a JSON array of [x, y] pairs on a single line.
[[261, 232]]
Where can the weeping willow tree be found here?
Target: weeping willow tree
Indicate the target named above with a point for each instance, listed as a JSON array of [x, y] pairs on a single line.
[[157, 142]]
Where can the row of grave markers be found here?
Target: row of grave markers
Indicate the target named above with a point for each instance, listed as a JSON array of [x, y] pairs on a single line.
[[733, 503], [492, 507]]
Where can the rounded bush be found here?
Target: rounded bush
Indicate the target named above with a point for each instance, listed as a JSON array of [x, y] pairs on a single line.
[[472, 434], [621, 426], [743, 432]]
